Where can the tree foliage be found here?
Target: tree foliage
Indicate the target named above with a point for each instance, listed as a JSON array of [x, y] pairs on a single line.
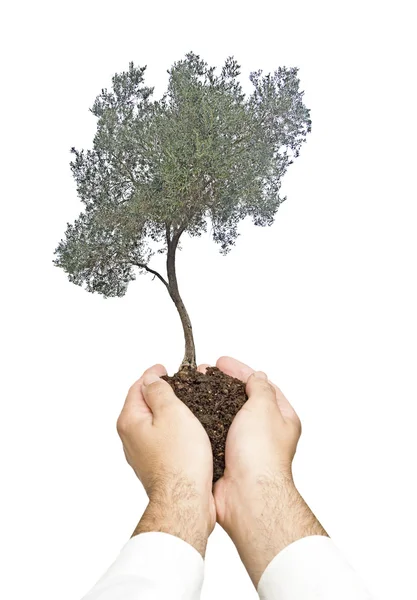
[[202, 153]]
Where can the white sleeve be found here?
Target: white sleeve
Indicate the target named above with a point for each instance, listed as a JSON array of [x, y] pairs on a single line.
[[152, 566], [311, 568]]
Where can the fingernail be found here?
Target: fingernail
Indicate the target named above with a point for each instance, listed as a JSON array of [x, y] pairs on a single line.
[[149, 378], [260, 375]]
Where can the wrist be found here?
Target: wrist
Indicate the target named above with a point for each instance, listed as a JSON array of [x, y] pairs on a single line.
[[183, 514], [273, 516]]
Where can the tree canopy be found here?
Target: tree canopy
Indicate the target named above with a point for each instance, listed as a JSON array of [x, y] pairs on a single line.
[[158, 169]]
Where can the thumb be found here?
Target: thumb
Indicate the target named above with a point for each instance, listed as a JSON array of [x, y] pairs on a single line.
[[157, 392], [260, 391]]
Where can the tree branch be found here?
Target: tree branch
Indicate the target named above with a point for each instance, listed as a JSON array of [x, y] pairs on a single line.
[[154, 273]]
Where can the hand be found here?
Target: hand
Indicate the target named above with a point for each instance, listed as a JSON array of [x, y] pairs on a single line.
[[170, 452], [256, 500]]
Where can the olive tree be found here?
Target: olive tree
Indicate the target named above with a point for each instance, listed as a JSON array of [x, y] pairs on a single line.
[[162, 169]]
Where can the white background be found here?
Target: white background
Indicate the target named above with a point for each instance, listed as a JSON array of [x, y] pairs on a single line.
[[324, 301]]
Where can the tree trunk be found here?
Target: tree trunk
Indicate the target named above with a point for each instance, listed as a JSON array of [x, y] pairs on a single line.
[[189, 359]]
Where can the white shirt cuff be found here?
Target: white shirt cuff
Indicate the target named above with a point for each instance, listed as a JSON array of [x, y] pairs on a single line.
[[312, 567], [156, 563]]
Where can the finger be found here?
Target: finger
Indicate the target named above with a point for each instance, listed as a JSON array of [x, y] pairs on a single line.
[[241, 371], [135, 402], [158, 393], [202, 368], [158, 368], [234, 368], [259, 386], [219, 499], [285, 407], [261, 393]]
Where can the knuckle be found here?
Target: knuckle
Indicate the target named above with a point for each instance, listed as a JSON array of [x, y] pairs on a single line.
[[157, 388], [167, 406], [164, 397], [264, 387], [136, 384], [296, 426], [122, 425]]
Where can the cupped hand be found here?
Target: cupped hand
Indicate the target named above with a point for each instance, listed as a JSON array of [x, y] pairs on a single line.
[[170, 452], [263, 437], [256, 498]]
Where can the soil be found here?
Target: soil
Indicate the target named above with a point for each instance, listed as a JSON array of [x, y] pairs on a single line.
[[214, 398]]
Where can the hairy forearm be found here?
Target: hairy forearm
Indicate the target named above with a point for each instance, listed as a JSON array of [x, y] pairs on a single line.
[[281, 517], [178, 511]]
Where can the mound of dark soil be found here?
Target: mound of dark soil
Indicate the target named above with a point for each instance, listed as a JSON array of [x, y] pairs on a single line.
[[214, 398]]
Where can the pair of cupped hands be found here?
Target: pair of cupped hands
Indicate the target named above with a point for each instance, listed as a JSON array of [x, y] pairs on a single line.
[[170, 452]]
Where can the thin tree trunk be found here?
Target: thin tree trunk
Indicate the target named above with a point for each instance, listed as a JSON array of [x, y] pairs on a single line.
[[189, 356]]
